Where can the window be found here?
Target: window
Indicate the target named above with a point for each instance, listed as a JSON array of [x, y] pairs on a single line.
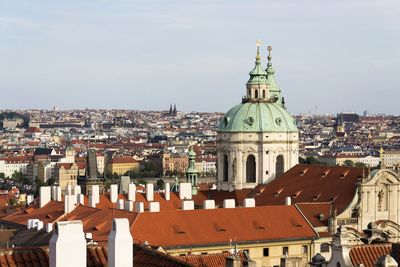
[[266, 252], [304, 249], [324, 247], [279, 168], [225, 168], [285, 251], [251, 169], [256, 94], [263, 93]]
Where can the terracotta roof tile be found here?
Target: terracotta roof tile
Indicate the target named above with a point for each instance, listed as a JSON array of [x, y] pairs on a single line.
[[209, 260], [368, 254]]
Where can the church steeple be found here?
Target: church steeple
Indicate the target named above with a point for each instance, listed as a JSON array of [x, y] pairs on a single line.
[[257, 89], [274, 89], [191, 172]]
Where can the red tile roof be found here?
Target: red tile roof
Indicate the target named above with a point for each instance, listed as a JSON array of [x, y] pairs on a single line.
[[209, 260], [368, 254], [316, 213], [218, 226], [311, 183]]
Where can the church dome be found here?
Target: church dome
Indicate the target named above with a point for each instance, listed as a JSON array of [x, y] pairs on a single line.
[[258, 117], [263, 108]]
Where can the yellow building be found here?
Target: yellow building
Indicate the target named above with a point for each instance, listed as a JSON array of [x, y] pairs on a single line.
[[122, 165]]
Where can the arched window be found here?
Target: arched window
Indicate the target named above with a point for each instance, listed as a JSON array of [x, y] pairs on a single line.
[[256, 94], [251, 169], [280, 166], [225, 168], [249, 93], [263, 93]]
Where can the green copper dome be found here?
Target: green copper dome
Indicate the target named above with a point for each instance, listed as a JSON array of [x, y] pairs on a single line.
[[258, 117]]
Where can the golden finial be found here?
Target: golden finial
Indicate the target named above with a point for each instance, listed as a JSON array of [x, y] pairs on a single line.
[[258, 42], [269, 48]]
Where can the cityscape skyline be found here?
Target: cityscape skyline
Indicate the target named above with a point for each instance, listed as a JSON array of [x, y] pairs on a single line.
[[198, 55]]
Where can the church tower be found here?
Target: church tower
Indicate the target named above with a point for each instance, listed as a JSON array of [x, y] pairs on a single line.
[[257, 140]]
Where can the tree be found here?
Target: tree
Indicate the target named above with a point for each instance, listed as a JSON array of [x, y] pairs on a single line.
[[348, 163], [311, 160], [360, 165], [160, 184], [2, 175]]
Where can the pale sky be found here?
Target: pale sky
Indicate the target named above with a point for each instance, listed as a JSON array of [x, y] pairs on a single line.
[[329, 56]]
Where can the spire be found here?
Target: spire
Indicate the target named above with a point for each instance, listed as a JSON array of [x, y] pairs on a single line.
[[257, 74], [274, 88], [174, 112]]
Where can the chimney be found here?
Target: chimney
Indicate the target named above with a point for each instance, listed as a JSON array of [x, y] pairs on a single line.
[[187, 205], [129, 205], [77, 190], [69, 203], [288, 201], [95, 193], [29, 199], [39, 225], [45, 195], [167, 193], [132, 192], [67, 246], [139, 207], [229, 203], [49, 227], [149, 192], [185, 191], [80, 198], [69, 189], [120, 244], [209, 204], [114, 193], [249, 202], [92, 202], [120, 204], [54, 192], [58, 194], [154, 206]]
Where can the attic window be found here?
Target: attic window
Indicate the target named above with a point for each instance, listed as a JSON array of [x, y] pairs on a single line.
[[178, 230], [316, 196], [344, 174], [258, 226], [325, 173], [333, 198], [296, 194], [219, 228], [278, 192], [303, 172], [49, 216], [321, 217]]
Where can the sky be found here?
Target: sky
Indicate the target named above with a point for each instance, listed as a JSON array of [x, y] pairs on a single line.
[[329, 56]]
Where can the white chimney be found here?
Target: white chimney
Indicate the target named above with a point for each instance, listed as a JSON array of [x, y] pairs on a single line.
[[288, 201], [88, 235], [249, 202], [77, 190], [95, 192], [114, 193], [229, 203], [80, 198], [154, 206], [120, 244], [132, 192], [67, 246], [58, 194], [120, 204], [39, 225], [209, 204], [49, 227], [185, 191], [129, 205], [69, 189], [54, 192], [92, 201], [187, 204], [29, 199], [139, 207], [45, 195], [149, 192], [167, 193], [69, 203]]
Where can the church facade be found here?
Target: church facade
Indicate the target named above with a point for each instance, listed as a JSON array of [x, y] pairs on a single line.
[[257, 139]]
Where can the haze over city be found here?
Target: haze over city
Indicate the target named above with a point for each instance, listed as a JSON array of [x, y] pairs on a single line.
[[336, 56]]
